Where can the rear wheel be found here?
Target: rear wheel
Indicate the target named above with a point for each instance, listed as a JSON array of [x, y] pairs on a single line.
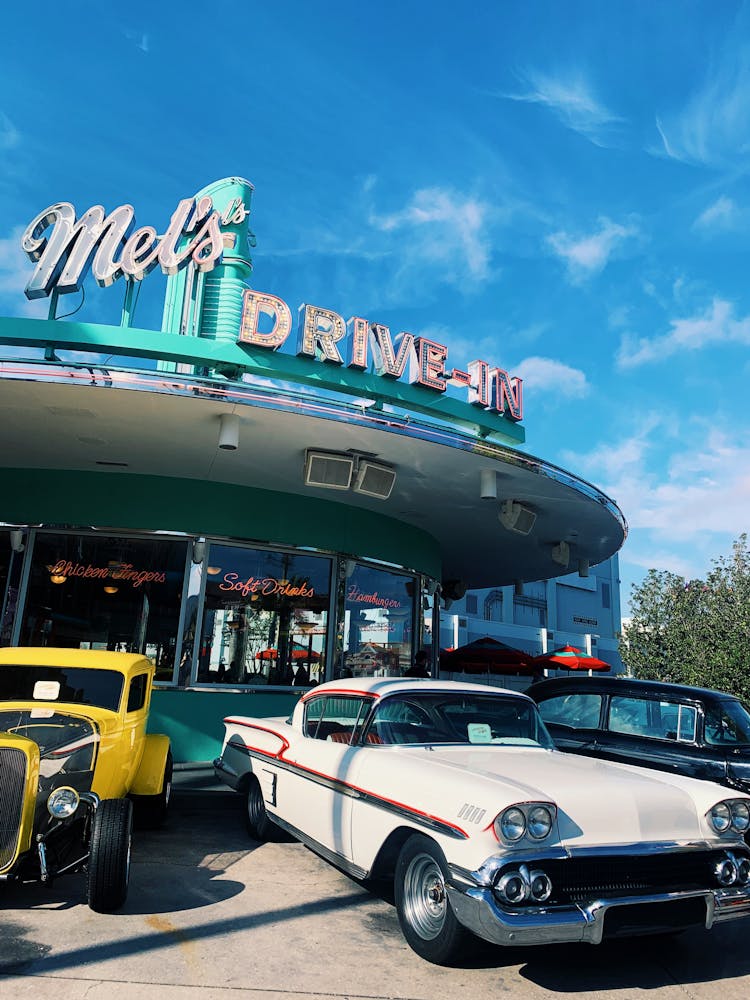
[[259, 826], [427, 920], [109, 857]]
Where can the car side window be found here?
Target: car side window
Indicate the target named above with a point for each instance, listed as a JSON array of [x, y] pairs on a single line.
[[336, 719], [579, 711], [661, 720], [137, 693]]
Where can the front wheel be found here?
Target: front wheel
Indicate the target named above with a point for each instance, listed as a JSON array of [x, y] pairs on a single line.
[[109, 855], [427, 921]]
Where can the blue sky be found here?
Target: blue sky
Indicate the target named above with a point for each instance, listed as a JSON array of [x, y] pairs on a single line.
[[561, 189]]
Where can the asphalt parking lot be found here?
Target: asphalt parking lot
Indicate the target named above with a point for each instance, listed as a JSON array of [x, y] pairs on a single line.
[[211, 915]]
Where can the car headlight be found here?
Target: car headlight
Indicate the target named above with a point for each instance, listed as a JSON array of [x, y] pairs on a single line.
[[539, 822], [63, 802], [740, 815], [720, 817], [512, 824]]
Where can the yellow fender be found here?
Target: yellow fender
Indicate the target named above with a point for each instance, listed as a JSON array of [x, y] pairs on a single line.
[[149, 778]]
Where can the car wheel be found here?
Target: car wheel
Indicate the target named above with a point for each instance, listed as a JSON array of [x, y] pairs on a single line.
[[109, 855], [424, 912], [259, 826], [151, 810]]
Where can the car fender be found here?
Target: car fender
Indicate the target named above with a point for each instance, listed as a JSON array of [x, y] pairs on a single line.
[[149, 777]]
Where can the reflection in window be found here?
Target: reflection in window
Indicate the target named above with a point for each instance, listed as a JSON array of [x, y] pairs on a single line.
[[727, 723], [662, 720], [378, 622], [106, 592], [493, 606], [265, 617], [579, 711]]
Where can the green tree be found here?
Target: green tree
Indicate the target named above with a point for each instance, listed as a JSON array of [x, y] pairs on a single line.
[[694, 631]]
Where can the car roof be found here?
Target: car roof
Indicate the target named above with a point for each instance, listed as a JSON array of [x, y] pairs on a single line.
[[89, 659], [624, 686], [380, 686]]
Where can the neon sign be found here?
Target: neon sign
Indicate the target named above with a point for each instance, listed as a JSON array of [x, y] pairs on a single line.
[[64, 255], [322, 334], [266, 586], [120, 571]]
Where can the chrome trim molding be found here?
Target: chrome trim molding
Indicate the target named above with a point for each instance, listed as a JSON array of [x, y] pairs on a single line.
[[337, 860]]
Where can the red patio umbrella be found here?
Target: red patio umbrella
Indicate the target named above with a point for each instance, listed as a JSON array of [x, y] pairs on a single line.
[[570, 658], [486, 655]]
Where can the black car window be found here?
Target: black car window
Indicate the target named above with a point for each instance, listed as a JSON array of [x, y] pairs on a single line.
[[662, 720], [579, 711], [137, 693], [727, 723]]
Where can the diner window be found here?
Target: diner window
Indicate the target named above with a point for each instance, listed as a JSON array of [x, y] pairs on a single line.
[[379, 614], [106, 592], [530, 608], [265, 617]]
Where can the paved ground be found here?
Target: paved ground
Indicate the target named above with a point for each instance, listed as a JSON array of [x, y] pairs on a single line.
[[213, 916]]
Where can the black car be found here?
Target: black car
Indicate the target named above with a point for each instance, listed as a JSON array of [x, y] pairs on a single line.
[[670, 727]]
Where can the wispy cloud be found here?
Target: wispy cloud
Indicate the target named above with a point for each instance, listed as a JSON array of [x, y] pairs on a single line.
[[713, 127], [139, 39], [588, 255], [716, 325], [573, 103], [682, 509], [443, 227], [721, 214], [10, 137], [541, 374]]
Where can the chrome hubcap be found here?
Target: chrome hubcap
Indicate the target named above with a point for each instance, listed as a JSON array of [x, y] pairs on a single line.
[[424, 896]]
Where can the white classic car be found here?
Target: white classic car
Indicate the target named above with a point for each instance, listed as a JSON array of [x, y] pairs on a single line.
[[457, 793]]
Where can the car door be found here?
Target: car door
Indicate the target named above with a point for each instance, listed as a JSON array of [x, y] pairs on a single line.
[[317, 785]]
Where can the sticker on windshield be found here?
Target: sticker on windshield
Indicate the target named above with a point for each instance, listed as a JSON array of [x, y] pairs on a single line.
[[46, 690], [41, 713], [479, 732]]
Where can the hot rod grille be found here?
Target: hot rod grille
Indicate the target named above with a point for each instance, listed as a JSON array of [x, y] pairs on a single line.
[[12, 785], [580, 879]]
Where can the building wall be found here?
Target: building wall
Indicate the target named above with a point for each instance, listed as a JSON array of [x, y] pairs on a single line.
[[569, 610]]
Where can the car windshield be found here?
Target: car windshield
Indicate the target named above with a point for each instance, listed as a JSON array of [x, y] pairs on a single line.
[[98, 688], [471, 719], [727, 723]]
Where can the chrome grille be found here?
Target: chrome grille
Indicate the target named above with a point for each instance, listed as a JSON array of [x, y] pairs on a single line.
[[12, 786]]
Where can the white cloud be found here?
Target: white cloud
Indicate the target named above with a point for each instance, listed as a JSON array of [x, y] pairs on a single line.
[[573, 103], [545, 373], [713, 127], [716, 325], [722, 214], [444, 227], [9, 134], [589, 255]]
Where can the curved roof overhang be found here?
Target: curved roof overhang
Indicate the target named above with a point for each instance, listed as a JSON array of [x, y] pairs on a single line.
[[80, 414]]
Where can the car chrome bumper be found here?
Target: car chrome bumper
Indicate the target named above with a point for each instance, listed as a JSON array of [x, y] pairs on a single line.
[[477, 909]]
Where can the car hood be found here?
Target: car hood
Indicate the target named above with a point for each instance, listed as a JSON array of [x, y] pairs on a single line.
[[598, 802]]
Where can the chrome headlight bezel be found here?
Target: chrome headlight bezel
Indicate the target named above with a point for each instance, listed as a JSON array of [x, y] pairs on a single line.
[[530, 821], [63, 802], [730, 816]]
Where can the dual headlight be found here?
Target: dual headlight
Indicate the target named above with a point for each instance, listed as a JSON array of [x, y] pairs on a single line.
[[63, 802], [732, 815], [526, 819]]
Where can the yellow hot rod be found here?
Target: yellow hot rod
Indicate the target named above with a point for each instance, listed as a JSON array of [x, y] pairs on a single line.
[[75, 764]]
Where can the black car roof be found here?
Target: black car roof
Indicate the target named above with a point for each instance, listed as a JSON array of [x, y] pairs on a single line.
[[623, 685]]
